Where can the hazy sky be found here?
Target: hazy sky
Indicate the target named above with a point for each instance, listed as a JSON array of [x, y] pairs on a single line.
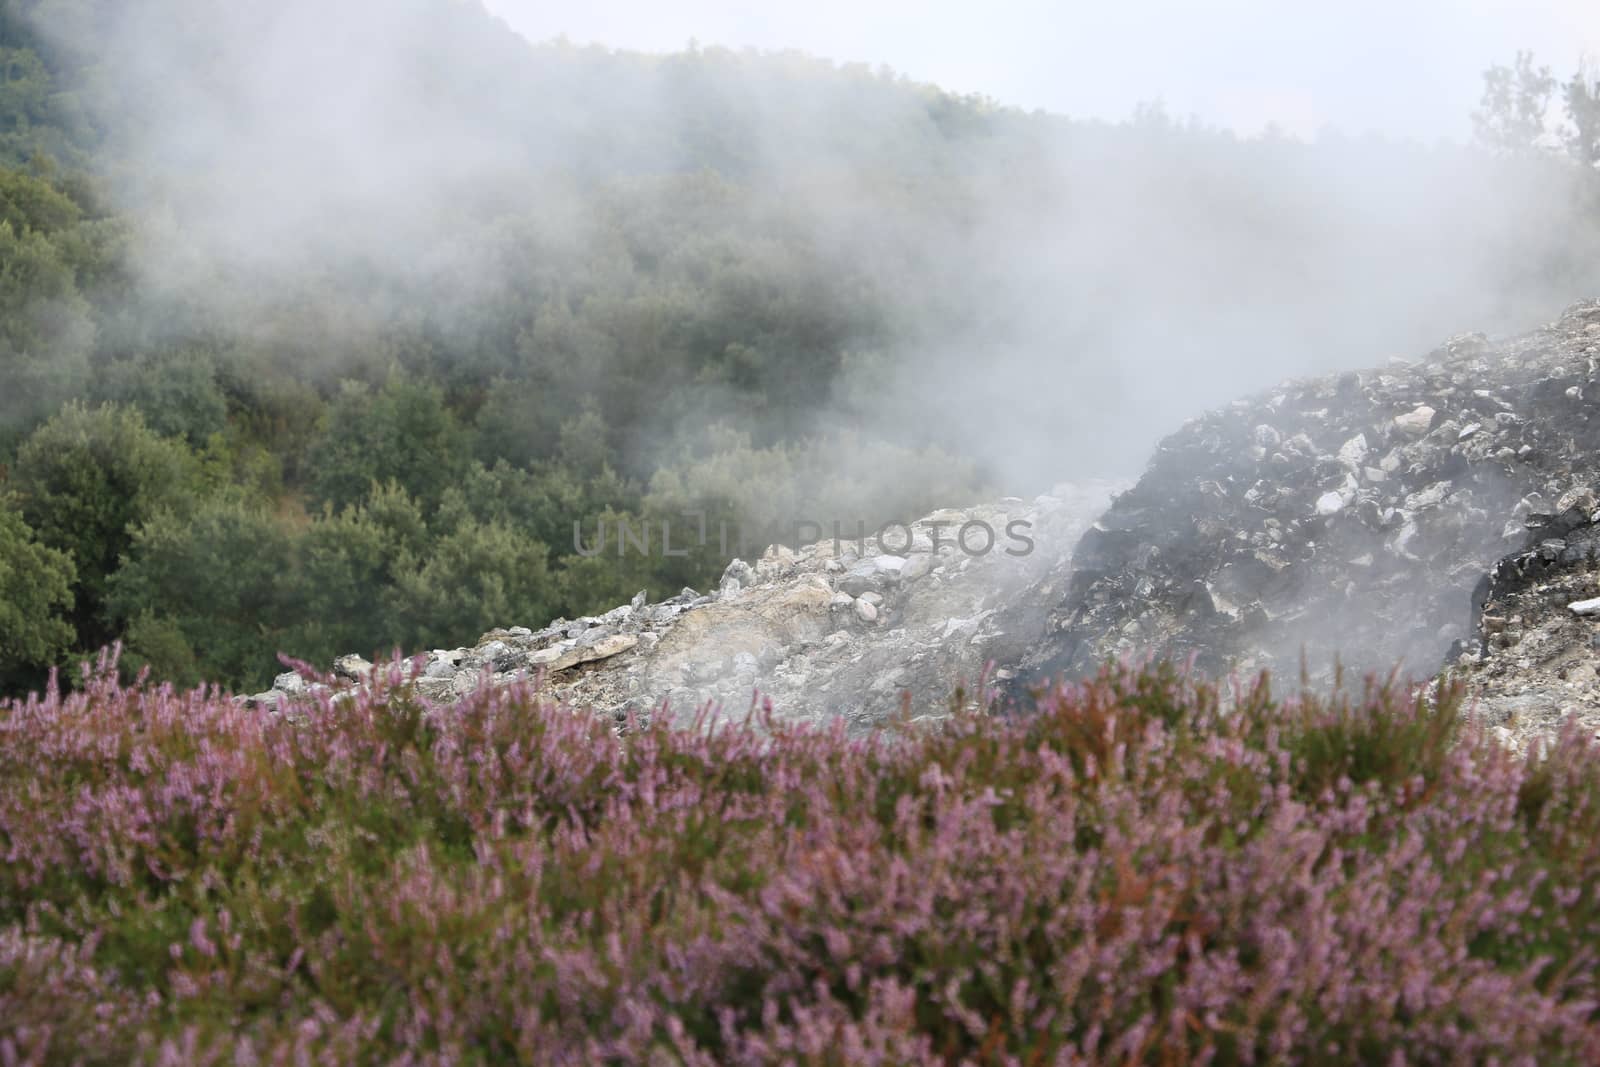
[[1401, 67]]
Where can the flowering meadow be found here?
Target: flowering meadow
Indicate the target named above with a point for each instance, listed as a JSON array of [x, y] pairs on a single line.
[[1129, 874]]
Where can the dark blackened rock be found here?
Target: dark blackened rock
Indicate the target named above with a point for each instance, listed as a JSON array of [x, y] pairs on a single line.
[[1230, 544]]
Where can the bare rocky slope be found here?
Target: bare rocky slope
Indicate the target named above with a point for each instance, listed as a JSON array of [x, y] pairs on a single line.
[[1428, 513], [1362, 519], [865, 630]]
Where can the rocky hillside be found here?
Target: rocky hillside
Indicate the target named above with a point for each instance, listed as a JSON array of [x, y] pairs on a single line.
[[1424, 513], [863, 630], [1357, 519]]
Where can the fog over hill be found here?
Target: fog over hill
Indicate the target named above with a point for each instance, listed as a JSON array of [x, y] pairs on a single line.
[[395, 246], [1050, 295]]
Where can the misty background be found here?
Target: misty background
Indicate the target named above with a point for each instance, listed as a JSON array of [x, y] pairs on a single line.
[[356, 307], [1364, 66]]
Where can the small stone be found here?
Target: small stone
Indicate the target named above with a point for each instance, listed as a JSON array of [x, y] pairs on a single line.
[[865, 611], [554, 658], [289, 682], [352, 668], [497, 654], [1585, 607], [592, 637], [1330, 504], [614, 645], [738, 575], [1415, 423]]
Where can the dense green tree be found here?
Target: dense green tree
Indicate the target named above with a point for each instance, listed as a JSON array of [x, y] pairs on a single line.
[[86, 480], [35, 596], [212, 578], [401, 432], [45, 330], [478, 576], [542, 501], [30, 203], [176, 392], [157, 644], [519, 422], [342, 566]]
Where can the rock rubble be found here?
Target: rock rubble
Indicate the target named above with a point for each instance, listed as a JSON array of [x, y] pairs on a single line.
[[1532, 660], [1351, 516], [858, 629]]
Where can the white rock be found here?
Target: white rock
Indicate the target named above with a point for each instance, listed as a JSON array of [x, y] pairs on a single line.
[[1330, 504], [1354, 451], [865, 611], [1585, 607], [1415, 423]]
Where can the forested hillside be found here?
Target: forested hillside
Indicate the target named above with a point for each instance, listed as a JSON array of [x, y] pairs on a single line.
[[323, 325]]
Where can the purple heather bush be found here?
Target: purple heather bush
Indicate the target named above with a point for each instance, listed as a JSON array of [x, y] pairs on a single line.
[[1135, 872]]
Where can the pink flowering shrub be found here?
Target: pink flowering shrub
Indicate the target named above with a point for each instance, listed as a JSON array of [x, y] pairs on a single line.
[[1130, 875]]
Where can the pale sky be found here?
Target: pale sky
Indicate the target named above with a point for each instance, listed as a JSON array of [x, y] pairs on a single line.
[[1408, 68]]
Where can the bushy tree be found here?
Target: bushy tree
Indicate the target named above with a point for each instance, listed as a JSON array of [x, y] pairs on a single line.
[[176, 392], [1582, 94], [208, 583], [86, 480], [1514, 113], [35, 597], [342, 566], [30, 203], [1511, 113], [476, 577], [401, 432], [45, 330]]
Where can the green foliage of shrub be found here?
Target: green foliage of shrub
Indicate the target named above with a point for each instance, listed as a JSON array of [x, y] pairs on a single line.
[[402, 432], [215, 576], [177, 393], [35, 595], [85, 481]]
